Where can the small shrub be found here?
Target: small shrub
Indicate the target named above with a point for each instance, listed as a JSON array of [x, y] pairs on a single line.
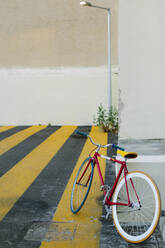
[[107, 119]]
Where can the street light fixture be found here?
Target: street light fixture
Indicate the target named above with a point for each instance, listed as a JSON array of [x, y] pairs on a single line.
[[84, 3]]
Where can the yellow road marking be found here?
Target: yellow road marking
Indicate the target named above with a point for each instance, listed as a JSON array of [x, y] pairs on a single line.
[[79, 230], [5, 128], [16, 138], [14, 183]]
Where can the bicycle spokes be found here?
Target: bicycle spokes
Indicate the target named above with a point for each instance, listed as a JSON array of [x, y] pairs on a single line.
[[138, 220]]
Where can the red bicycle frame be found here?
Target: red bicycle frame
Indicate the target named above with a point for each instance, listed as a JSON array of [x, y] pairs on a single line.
[[123, 167]]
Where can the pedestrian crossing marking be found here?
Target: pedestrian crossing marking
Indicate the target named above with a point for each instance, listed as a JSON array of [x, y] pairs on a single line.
[[18, 137], [85, 225], [5, 128], [17, 180]]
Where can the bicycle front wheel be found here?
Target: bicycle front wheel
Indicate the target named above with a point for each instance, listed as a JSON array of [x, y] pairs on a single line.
[[135, 223], [82, 185]]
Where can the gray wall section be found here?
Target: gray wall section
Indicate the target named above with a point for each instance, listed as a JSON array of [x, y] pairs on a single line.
[[53, 33]]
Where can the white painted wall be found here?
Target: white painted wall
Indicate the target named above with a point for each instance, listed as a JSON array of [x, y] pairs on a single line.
[[60, 96], [142, 68]]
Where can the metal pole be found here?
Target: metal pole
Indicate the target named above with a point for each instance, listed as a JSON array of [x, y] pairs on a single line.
[[109, 60], [109, 49]]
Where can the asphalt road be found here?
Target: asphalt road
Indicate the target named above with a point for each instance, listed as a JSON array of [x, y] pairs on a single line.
[[37, 168]]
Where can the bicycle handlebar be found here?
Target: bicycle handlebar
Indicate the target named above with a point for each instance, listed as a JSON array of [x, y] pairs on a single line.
[[118, 147], [81, 133], [98, 145]]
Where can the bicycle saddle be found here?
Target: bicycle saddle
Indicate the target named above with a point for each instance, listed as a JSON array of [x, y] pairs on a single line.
[[128, 155]]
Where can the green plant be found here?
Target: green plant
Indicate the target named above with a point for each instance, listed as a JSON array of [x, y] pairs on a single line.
[[107, 119]]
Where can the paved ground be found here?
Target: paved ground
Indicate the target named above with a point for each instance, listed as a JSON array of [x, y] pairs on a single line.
[[37, 168]]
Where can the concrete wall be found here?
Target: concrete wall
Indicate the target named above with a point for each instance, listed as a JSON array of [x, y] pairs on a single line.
[[55, 33], [142, 63], [61, 96], [53, 62]]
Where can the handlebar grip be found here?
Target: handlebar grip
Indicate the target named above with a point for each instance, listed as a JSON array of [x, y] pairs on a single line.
[[118, 147], [81, 133]]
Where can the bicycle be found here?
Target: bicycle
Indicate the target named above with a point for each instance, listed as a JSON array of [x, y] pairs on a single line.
[[133, 201]]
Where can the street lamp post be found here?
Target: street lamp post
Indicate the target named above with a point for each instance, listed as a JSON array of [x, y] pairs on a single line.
[[109, 47]]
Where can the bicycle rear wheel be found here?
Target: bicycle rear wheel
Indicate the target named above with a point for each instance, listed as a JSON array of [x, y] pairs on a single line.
[[82, 185], [136, 223]]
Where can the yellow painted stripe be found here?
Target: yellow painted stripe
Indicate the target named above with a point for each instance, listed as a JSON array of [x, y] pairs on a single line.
[[16, 138], [5, 128], [14, 183], [80, 230]]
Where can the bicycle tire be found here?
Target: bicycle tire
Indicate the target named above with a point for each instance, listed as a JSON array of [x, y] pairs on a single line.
[[137, 222], [80, 190]]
